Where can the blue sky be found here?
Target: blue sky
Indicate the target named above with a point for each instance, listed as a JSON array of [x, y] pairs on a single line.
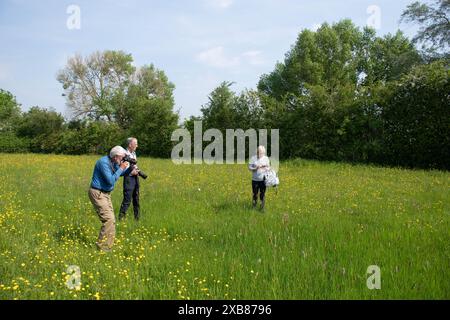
[[198, 43]]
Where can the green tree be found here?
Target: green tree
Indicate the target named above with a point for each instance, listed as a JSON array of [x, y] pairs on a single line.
[[105, 86], [248, 111], [149, 113], [337, 56], [40, 121], [89, 137], [42, 127], [218, 112], [9, 111], [228, 110], [416, 122], [323, 97], [92, 85], [387, 58], [149, 84], [434, 21]]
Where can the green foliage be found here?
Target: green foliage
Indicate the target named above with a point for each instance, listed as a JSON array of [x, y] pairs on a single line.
[[95, 137], [434, 21], [338, 56], [92, 84], [342, 94], [105, 86], [416, 118], [154, 126], [227, 110], [10, 143], [336, 97], [39, 121], [42, 127], [218, 112], [388, 58], [149, 113], [9, 111]]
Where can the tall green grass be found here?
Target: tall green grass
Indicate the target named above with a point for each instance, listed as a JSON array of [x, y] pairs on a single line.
[[199, 237]]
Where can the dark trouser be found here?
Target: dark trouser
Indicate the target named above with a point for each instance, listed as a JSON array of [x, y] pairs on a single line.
[[130, 191], [258, 186]]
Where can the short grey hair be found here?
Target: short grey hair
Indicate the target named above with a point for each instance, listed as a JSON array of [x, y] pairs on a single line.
[[117, 151], [130, 139]]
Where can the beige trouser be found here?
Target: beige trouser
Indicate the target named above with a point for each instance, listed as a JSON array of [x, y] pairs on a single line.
[[103, 206]]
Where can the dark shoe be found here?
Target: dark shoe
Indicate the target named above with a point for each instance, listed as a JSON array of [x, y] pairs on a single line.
[[121, 216], [254, 204]]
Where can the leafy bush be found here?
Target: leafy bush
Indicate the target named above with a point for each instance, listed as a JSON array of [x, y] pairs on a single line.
[[10, 143], [416, 118]]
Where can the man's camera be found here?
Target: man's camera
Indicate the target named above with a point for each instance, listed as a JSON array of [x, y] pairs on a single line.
[[133, 162]]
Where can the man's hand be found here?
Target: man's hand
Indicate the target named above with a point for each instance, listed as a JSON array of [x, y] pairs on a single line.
[[135, 172], [124, 165]]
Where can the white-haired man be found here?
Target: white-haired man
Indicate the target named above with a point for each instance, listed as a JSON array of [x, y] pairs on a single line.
[[107, 171], [131, 183]]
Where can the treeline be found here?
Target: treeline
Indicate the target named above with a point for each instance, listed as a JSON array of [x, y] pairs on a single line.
[[110, 100], [342, 93]]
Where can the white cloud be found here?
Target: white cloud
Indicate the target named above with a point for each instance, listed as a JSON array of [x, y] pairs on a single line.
[[215, 57], [253, 57], [223, 4]]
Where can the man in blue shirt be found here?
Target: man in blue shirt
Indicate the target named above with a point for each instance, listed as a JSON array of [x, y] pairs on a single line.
[[107, 171]]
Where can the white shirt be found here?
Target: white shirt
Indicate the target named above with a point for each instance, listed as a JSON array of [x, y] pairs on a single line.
[[258, 175], [132, 155]]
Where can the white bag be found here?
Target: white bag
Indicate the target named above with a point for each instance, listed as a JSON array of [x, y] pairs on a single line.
[[271, 179]]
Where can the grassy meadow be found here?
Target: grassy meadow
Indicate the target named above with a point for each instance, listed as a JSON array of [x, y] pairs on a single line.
[[199, 237]]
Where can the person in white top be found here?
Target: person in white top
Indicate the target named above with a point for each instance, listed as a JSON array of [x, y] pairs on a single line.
[[259, 165]]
